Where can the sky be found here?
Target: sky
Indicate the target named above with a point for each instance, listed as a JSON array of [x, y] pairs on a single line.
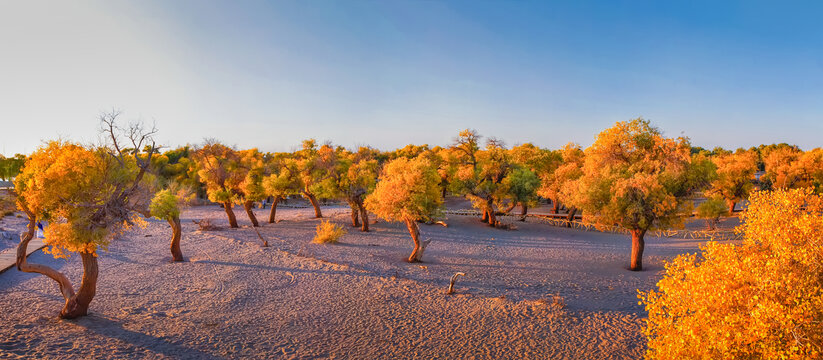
[[268, 74]]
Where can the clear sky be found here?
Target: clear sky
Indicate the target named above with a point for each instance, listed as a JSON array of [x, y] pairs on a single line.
[[389, 73]]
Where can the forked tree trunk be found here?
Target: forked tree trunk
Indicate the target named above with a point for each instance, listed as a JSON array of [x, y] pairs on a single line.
[[314, 203], [364, 216], [230, 213], [570, 216], [524, 210], [355, 222], [731, 207], [176, 234], [66, 288], [273, 210], [78, 305], [638, 245], [414, 230], [249, 206]]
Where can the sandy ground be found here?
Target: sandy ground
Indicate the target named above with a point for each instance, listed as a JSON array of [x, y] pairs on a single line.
[[357, 299]]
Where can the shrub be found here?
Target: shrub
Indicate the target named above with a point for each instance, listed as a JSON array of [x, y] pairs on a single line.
[[711, 210], [762, 299], [328, 233]]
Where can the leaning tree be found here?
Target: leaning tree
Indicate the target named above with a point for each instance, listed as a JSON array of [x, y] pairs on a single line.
[[281, 180], [636, 178], [221, 170], [314, 165], [407, 191], [166, 206], [88, 195]]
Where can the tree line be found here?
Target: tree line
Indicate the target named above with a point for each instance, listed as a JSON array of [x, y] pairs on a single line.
[[632, 176]]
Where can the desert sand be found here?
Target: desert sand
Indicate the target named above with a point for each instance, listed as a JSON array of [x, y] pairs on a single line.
[[540, 292]]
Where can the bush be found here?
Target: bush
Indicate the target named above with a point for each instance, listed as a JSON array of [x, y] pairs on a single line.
[[328, 233], [762, 299], [711, 210]]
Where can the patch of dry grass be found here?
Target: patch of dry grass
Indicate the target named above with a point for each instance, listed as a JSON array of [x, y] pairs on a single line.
[[328, 233]]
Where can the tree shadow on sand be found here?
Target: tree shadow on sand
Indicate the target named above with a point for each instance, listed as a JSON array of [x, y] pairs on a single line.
[[113, 329]]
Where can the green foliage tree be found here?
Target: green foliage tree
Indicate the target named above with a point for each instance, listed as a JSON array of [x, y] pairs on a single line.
[[164, 206], [711, 210]]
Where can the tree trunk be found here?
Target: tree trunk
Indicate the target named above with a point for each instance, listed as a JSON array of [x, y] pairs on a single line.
[[524, 210], [570, 216], [485, 216], [364, 216], [78, 305], [492, 218], [555, 206], [176, 230], [314, 203], [637, 249], [230, 213], [414, 230], [273, 210], [355, 222], [510, 208], [731, 207], [22, 264], [248, 205]]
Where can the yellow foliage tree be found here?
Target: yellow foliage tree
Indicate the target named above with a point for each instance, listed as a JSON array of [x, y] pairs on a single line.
[[221, 170], [88, 195], [407, 191], [762, 299], [636, 178], [735, 173]]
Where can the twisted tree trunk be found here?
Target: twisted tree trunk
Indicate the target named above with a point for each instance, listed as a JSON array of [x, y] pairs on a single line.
[[731, 204], [22, 264], [490, 210], [176, 254], [555, 206], [364, 216], [78, 305], [570, 216], [230, 213], [524, 210], [273, 211], [638, 244], [414, 230], [314, 203], [355, 222], [249, 206], [485, 216]]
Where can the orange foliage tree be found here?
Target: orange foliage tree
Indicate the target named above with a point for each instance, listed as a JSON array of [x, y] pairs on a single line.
[[762, 299], [88, 195], [735, 173], [636, 178], [567, 169], [221, 170], [407, 191]]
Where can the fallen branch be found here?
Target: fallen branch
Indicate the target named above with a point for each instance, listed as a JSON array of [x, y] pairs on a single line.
[[265, 242], [451, 283]]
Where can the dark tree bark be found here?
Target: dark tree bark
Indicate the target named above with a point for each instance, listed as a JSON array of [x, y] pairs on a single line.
[[490, 210], [273, 210], [364, 216], [731, 204], [637, 249], [524, 210], [249, 206], [176, 234], [230, 213], [355, 214], [570, 216], [314, 203], [414, 230], [509, 209], [555, 206]]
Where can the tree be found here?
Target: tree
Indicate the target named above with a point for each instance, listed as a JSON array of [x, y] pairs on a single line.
[[353, 178], [407, 191], [314, 164], [166, 206], [757, 300], [89, 195], [251, 189], [221, 171], [479, 173], [735, 173], [555, 183], [636, 178], [10, 167], [523, 182], [283, 179]]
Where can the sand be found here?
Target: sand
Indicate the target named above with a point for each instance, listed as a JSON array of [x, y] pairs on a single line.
[[357, 299]]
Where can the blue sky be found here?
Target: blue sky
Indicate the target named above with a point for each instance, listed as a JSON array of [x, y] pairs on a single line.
[[389, 73]]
